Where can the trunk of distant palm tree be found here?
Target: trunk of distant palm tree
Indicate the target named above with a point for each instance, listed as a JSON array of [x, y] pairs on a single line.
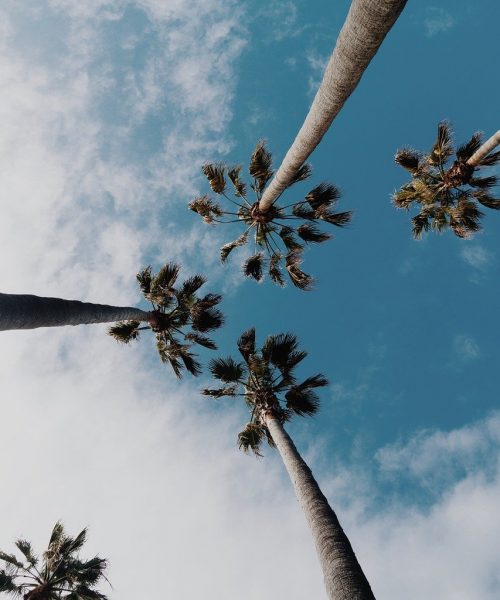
[[22, 311], [485, 149], [366, 26], [344, 578]]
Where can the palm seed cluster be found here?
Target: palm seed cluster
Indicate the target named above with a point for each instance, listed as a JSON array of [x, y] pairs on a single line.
[[279, 234], [448, 195]]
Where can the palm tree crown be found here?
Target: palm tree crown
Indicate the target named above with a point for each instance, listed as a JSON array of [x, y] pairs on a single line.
[[448, 195], [279, 233], [178, 313], [268, 383], [59, 574]]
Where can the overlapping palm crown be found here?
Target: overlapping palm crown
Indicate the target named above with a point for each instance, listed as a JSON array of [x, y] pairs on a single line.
[[58, 575], [279, 234], [178, 313], [267, 383], [448, 196]]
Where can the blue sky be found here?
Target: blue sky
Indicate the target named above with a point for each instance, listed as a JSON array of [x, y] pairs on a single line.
[[109, 109]]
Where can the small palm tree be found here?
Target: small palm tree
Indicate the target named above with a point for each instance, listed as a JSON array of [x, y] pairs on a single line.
[[59, 574], [266, 381], [280, 233], [448, 195], [178, 314]]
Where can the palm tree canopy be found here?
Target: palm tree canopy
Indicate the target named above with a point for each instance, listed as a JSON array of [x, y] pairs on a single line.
[[268, 384], [447, 192], [365, 28], [281, 233], [58, 574], [179, 319]]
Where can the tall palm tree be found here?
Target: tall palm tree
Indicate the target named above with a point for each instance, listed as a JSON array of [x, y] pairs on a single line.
[[280, 233], [365, 28], [60, 574], [24, 311], [266, 380], [178, 313], [447, 194]]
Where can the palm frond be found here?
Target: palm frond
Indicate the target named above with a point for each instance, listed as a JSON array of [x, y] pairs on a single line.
[[250, 439], [323, 195], [465, 151], [303, 212], [206, 208], [206, 319], [144, 278], [409, 159], [275, 270], [486, 199], [228, 248], [442, 149], [10, 559], [490, 160], [202, 340], [301, 280], [252, 267], [27, 551], [338, 219], [260, 166], [226, 369], [125, 331], [484, 182], [239, 187], [302, 402], [289, 239], [229, 390], [190, 363], [311, 234], [246, 343], [192, 285], [302, 173], [314, 381], [420, 224], [277, 349], [7, 583], [214, 172], [165, 280]]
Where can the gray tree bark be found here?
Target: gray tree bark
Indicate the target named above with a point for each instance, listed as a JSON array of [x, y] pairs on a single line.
[[23, 311], [365, 28], [344, 578], [485, 149]]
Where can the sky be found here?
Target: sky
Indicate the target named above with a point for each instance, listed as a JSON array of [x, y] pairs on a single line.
[[108, 110]]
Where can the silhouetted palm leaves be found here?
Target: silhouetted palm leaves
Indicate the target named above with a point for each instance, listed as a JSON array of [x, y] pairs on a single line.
[[179, 317], [266, 378], [448, 196], [280, 233], [58, 574]]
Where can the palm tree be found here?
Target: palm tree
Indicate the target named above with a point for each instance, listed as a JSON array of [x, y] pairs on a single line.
[[448, 194], [280, 233], [175, 309], [59, 574], [365, 28], [273, 396], [24, 311]]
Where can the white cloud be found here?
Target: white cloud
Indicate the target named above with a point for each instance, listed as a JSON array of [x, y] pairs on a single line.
[[465, 348], [437, 20], [476, 256]]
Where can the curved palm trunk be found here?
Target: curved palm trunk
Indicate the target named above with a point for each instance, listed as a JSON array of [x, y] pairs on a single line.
[[344, 578], [23, 311], [485, 149], [365, 28]]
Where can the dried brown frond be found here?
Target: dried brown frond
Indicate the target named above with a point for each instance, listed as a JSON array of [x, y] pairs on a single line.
[[311, 234], [228, 248], [239, 186], [299, 279], [443, 148], [214, 172], [252, 267], [260, 166], [408, 159], [206, 208], [275, 270]]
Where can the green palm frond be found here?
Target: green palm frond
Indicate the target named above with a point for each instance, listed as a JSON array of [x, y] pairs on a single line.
[[166, 278], [145, 278], [27, 551], [246, 343], [447, 195], [214, 172], [279, 230], [192, 285], [201, 340], [125, 331], [226, 369], [302, 402]]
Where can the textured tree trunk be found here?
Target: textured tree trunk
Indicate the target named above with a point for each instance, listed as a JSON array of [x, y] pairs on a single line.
[[485, 149], [344, 578], [22, 311], [366, 26]]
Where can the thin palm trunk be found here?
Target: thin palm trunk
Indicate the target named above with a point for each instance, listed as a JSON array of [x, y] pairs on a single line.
[[344, 578], [485, 149], [23, 311], [365, 28]]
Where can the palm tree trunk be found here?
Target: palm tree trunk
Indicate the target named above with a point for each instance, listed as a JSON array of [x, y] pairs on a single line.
[[344, 578], [22, 311], [365, 28], [485, 149]]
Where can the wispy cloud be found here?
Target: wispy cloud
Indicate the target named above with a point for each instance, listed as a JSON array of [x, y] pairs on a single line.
[[465, 348], [476, 256], [437, 20]]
